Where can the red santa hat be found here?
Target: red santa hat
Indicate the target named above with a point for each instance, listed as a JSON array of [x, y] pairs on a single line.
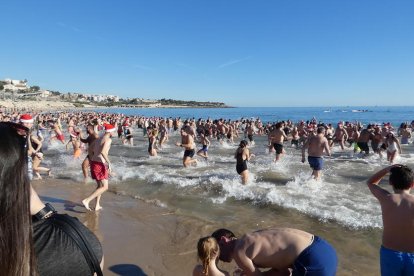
[[26, 118], [109, 128]]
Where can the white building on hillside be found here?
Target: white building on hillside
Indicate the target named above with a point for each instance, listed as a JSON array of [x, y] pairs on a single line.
[[16, 85]]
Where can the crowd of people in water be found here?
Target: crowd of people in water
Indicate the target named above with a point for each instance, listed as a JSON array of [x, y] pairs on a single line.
[[282, 250]]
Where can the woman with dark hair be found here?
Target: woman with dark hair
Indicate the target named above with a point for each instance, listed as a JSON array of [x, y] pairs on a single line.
[[243, 155], [33, 239], [16, 245]]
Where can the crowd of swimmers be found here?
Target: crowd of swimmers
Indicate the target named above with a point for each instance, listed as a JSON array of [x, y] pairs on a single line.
[[283, 250]]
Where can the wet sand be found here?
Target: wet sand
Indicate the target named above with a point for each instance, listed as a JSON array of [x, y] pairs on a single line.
[[142, 238]]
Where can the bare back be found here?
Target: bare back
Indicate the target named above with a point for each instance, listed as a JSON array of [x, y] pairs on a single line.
[[317, 145], [398, 220], [271, 248]]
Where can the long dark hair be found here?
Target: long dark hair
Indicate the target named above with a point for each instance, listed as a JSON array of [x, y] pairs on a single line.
[[16, 245]]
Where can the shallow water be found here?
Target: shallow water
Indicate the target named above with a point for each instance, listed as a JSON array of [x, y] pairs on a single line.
[[339, 208]]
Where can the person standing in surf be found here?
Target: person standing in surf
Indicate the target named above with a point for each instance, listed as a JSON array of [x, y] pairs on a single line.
[[316, 146], [397, 249], [243, 155]]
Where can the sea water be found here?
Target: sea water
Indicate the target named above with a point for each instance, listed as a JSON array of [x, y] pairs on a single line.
[[340, 206]]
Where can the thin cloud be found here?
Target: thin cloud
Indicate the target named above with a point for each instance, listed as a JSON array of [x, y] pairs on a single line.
[[233, 62], [185, 66], [143, 67], [66, 26]]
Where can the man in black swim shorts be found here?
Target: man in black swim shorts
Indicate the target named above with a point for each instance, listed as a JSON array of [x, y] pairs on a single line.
[[187, 142]]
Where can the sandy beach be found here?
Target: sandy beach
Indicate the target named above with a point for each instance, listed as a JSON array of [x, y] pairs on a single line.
[[141, 238], [138, 238]]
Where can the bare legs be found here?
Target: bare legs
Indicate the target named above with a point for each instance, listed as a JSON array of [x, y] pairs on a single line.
[[188, 161], [85, 168], [102, 187], [245, 176]]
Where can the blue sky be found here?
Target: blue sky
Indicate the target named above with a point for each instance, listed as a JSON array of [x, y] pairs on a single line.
[[243, 53]]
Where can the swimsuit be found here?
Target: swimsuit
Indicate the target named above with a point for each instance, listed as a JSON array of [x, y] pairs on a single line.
[[396, 262], [77, 153], [363, 146], [315, 163], [60, 137], [99, 170], [205, 148], [149, 146], [278, 148], [241, 165], [392, 147], [404, 140], [318, 259], [189, 153]]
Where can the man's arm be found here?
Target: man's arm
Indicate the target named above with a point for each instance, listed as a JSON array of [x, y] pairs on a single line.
[[105, 150], [327, 148], [373, 181], [304, 147]]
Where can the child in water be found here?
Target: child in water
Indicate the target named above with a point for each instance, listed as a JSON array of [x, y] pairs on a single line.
[[208, 253]]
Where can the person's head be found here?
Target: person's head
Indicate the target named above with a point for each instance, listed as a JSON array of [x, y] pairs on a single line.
[[109, 129], [243, 144], [224, 237], [401, 177], [208, 250], [321, 130], [90, 128], [16, 246], [26, 120]]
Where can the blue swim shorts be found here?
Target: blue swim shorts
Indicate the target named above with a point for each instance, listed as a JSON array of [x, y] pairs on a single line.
[[318, 259], [316, 163], [396, 262]]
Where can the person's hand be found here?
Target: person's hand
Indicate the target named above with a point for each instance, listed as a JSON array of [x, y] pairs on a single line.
[[178, 144]]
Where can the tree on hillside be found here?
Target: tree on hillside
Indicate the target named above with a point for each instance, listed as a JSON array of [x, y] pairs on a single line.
[[35, 88], [1, 86]]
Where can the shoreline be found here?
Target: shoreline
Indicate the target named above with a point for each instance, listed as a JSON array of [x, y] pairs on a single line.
[[58, 104], [141, 238], [138, 238]]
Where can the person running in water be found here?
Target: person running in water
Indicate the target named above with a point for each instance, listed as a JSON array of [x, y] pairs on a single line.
[[187, 142]]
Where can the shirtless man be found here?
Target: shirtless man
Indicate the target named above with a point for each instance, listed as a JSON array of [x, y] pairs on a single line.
[[285, 251], [277, 137], [100, 166], [187, 142], [92, 136], [365, 136], [295, 137], [316, 145], [340, 135], [396, 254], [205, 142], [249, 132]]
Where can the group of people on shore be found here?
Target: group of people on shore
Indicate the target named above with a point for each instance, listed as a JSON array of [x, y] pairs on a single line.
[[285, 251]]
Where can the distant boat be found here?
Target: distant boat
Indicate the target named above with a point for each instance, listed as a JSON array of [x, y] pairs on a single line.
[[360, 110]]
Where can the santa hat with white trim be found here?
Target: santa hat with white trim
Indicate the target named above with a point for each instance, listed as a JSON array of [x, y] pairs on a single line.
[[26, 118], [109, 128]]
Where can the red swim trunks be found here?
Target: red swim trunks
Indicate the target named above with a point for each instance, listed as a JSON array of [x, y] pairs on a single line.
[[60, 137], [99, 170]]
